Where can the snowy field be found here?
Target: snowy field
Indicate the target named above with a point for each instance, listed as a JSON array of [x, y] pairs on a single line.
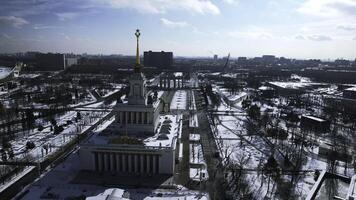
[[46, 143], [250, 149]]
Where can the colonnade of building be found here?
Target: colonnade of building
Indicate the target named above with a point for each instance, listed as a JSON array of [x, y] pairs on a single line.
[[126, 162], [167, 82], [134, 117]]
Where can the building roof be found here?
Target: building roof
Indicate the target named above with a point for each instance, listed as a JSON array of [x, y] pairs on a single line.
[[353, 89], [110, 194], [314, 118], [265, 88], [294, 85], [168, 129]]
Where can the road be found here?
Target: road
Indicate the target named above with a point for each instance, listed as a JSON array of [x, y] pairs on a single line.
[[216, 182]]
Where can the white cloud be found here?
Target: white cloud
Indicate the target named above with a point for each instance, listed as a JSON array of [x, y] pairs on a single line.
[[16, 22], [162, 6], [299, 37], [6, 36], [231, 2], [329, 8], [173, 24], [42, 27], [314, 37], [347, 27], [319, 38], [66, 16]]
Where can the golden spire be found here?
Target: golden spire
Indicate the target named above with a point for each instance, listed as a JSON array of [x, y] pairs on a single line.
[[137, 65]]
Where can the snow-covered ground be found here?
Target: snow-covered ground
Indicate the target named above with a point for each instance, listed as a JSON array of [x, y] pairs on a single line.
[[194, 137], [196, 154], [4, 72], [58, 182], [198, 174], [47, 143], [179, 100]]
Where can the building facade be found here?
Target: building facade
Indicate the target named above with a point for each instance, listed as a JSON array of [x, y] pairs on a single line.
[[161, 59]]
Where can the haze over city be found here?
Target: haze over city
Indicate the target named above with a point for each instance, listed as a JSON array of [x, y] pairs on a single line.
[[301, 29]]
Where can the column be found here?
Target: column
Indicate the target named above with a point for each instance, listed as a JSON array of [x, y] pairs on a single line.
[[160, 82], [136, 163], [121, 117], [118, 162], [126, 117], [157, 164], [99, 162], [107, 162], [112, 162], [147, 163], [147, 117], [123, 162], [137, 118], [102, 161], [132, 117], [96, 161], [143, 121], [129, 162], [174, 82], [169, 82], [154, 164], [141, 160]]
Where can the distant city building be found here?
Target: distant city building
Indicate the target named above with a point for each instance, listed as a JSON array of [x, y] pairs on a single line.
[[158, 59], [242, 60], [342, 62], [269, 59], [314, 124], [50, 62], [257, 60], [283, 60], [350, 93], [267, 92], [215, 57], [70, 61], [312, 62]]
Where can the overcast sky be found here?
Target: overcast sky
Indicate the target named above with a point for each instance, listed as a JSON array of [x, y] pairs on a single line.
[[291, 28]]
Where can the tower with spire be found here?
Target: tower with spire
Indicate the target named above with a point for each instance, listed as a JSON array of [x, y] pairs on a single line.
[[137, 114], [137, 95]]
